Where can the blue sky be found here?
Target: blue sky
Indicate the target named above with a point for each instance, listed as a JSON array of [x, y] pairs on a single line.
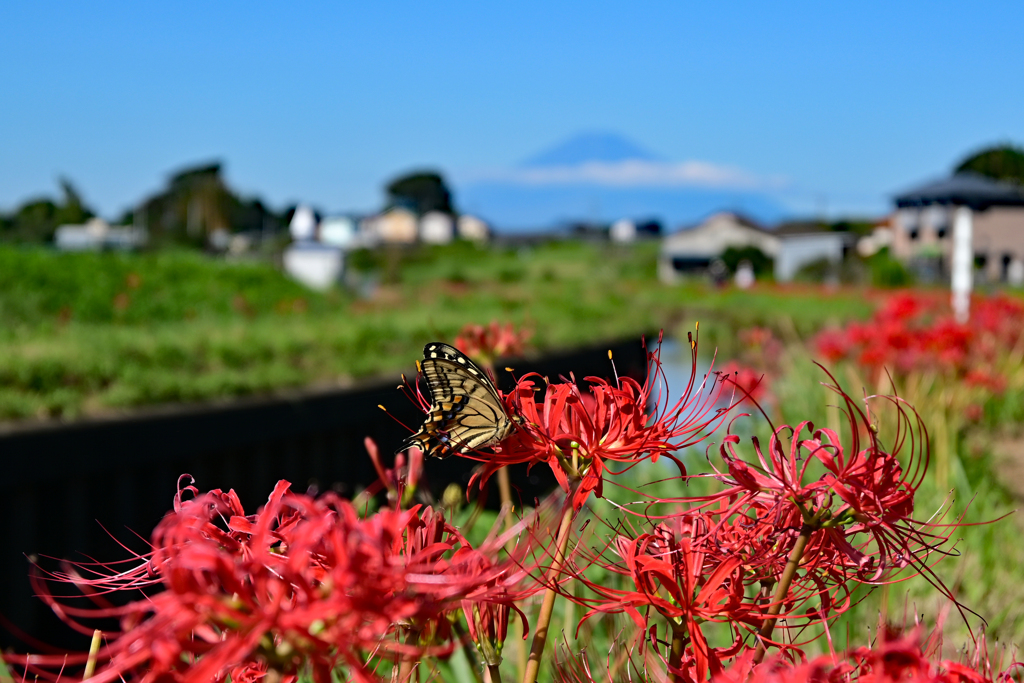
[[845, 103]]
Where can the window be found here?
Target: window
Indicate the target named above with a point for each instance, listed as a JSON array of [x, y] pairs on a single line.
[[913, 235], [940, 232]]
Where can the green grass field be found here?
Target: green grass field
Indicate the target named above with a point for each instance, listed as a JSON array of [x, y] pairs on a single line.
[[91, 333]]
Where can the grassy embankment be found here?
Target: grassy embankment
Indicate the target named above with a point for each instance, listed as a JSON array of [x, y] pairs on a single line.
[[89, 333]]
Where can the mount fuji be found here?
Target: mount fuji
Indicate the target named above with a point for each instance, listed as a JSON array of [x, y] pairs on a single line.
[[602, 177]]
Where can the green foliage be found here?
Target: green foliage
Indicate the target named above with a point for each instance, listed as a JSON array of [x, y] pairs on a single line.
[[1001, 162], [36, 220], [196, 202], [857, 227], [421, 192], [887, 271], [88, 332], [761, 262], [819, 270], [40, 288]]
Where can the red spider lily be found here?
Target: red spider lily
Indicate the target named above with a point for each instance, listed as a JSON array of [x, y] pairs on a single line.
[[900, 660], [578, 433], [915, 332], [678, 571], [401, 480], [488, 627], [486, 344], [779, 670], [304, 583], [853, 502]]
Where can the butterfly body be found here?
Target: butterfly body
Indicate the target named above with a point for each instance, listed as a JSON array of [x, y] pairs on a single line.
[[466, 412]]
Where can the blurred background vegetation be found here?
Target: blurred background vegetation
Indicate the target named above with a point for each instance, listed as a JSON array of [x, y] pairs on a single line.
[[91, 332]]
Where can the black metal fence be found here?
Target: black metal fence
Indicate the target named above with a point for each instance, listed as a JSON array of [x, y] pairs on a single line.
[[61, 482]]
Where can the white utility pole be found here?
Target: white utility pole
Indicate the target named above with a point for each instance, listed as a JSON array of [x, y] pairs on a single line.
[[963, 263]]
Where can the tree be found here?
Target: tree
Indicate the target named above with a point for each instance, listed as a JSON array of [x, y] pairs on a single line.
[[1004, 162], [74, 211], [761, 262], [196, 202], [420, 192], [37, 219]]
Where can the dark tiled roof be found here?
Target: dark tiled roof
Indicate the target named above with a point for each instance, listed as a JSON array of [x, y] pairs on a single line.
[[964, 189]]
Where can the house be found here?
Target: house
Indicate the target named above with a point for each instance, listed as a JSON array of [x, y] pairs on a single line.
[[318, 266], [881, 237], [98, 235], [303, 225], [802, 244], [397, 225], [472, 228], [623, 231], [437, 227], [340, 231], [693, 249], [994, 215]]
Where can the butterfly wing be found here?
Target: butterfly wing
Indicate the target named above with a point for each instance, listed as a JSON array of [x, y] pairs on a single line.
[[466, 412]]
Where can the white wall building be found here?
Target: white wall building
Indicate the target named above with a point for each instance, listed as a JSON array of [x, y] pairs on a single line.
[[623, 231], [303, 225], [315, 265], [96, 234], [695, 248], [473, 228], [340, 231], [798, 249], [396, 225], [437, 228]]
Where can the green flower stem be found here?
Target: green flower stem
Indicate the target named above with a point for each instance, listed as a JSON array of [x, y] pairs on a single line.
[[540, 637], [476, 663], [678, 646], [94, 649], [782, 590]]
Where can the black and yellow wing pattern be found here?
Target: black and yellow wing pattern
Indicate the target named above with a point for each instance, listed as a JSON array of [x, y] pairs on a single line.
[[466, 412]]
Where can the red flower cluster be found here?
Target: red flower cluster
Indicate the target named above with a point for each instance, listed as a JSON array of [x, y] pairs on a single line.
[[914, 332], [311, 587], [899, 660], [579, 432], [487, 344], [680, 573], [808, 516], [305, 585]]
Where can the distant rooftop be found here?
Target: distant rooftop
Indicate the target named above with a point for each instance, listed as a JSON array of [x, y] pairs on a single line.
[[964, 189]]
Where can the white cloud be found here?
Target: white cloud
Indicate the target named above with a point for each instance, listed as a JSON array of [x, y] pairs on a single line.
[[633, 173]]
